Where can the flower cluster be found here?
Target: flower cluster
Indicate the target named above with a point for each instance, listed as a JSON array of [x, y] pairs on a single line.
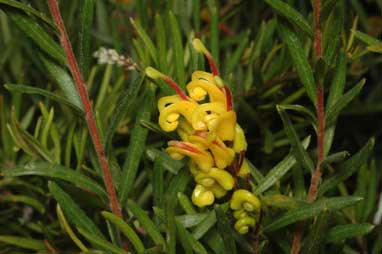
[[211, 137]]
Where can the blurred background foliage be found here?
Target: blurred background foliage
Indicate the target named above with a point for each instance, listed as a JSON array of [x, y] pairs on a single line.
[[46, 154]]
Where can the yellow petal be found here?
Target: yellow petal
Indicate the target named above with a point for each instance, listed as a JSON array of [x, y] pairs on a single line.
[[198, 115], [220, 176], [203, 159], [198, 89], [244, 170], [202, 197], [184, 108], [225, 127], [222, 154], [242, 225], [240, 142], [244, 199]]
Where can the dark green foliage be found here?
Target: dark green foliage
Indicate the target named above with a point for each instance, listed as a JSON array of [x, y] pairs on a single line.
[[52, 196]]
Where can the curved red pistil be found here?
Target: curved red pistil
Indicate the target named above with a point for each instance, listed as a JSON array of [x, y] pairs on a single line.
[[183, 146], [228, 96], [212, 64], [175, 86]]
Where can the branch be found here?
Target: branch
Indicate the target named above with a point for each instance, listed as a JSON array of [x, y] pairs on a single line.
[[89, 117], [316, 175]]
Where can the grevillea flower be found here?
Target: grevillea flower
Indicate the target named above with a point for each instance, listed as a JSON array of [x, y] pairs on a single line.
[[211, 137]]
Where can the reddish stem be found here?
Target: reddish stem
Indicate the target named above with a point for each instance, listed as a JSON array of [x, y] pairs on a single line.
[[316, 175], [228, 96], [81, 87], [175, 86], [211, 62]]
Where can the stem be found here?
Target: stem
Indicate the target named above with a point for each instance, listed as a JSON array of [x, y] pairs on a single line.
[[316, 175], [89, 117]]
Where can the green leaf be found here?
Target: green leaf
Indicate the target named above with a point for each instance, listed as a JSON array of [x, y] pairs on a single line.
[[278, 171], [342, 232], [146, 223], [336, 109], [365, 38], [347, 168], [315, 241], [167, 161], [63, 80], [225, 230], [33, 30], [335, 158], [234, 60], [296, 51], [84, 35], [338, 83], [136, 148], [188, 241], [178, 51], [33, 90], [28, 10], [126, 230], [191, 220], [298, 150], [311, 210], [105, 245], [303, 110], [331, 36], [24, 199], [161, 41], [73, 212], [124, 104], [57, 171], [149, 45], [292, 15], [205, 225], [23, 242], [158, 183], [214, 30]]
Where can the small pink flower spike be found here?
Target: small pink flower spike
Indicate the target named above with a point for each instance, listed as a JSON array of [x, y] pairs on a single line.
[[155, 74]]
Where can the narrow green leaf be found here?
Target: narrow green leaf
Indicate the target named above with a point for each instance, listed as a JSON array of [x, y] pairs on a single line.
[[57, 171], [347, 168], [28, 10], [105, 245], [278, 171], [336, 109], [342, 232], [38, 91], [186, 203], [124, 104], [126, 230], [315, 241], [136, 148], [170, 203], [292, 15], [234, 60], [303, 110], [146, 222], [33, 30], [371, 195], [149, 45], [167, 161], [32, 202], [178, 51], [23, 242], [158, 183], [338, 83], [73, 212], [365, 38], [335, 158], [298, 150], [161, 41], [84, 36], [63, 80], [225, 230], [311, 210], [188, 241], [296, 51], [191, 220], [214, 30], [331, 36], [205, 225]]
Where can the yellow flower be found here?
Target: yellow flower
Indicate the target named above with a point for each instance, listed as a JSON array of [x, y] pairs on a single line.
[[243, 199], [205, 196], [178, 150]]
